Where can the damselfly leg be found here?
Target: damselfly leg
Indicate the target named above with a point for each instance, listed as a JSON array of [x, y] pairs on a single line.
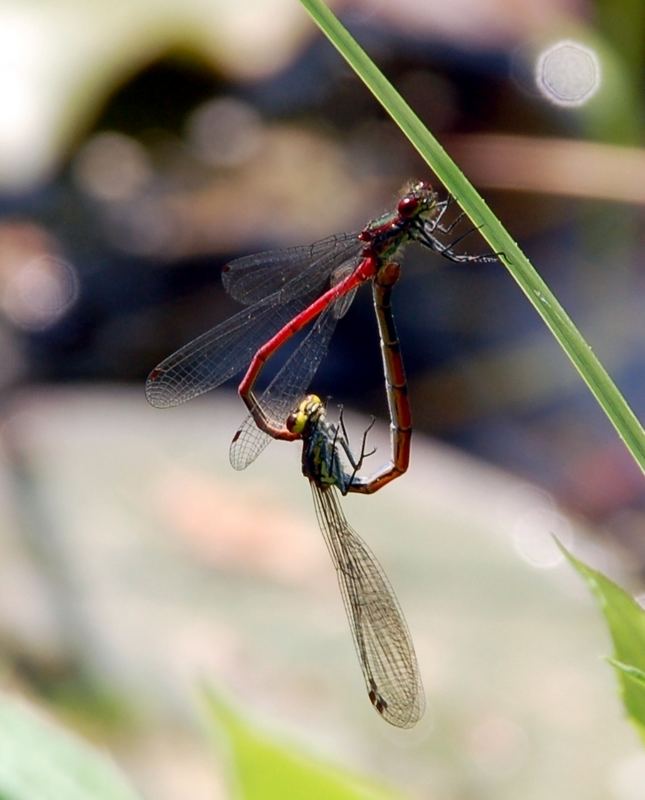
[[341, 439]]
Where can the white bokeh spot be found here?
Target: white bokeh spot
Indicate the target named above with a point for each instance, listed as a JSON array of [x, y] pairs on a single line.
[[568, 73]]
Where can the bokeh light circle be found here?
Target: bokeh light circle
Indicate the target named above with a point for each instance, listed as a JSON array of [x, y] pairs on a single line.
[[39, 292], [568, 73]]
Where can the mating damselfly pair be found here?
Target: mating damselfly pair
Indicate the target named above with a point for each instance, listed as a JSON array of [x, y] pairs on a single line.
[[286, 291]]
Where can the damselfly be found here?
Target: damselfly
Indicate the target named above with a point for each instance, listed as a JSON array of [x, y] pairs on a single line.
[[381, 637], [383, 644], [285, 291]]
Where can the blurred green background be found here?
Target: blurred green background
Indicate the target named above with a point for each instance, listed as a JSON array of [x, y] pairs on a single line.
[[141, 147]]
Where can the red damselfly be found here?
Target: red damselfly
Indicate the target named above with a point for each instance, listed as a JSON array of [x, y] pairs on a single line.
[[285, 291]]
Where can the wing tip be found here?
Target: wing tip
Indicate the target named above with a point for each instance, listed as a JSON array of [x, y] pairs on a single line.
[[156, 390], [399, 715]]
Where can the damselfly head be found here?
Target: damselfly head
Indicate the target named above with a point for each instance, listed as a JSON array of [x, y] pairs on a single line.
[[417, 198], [310, 411]]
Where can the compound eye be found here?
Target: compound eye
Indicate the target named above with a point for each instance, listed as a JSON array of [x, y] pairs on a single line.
[[296, 421], [408, 206]]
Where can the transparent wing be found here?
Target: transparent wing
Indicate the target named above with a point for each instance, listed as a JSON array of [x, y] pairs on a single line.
[[221, 352], [282, 394], [251, 278], [381, 636], [291, 382], [217, 355]]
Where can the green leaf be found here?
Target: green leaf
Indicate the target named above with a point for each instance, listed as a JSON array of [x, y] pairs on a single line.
[[626, 620], [537, 292], [264, 768], [40, 760], [630, 671]]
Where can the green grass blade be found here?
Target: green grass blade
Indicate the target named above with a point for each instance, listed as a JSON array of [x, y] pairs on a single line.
[[626, 622], [535, 289]]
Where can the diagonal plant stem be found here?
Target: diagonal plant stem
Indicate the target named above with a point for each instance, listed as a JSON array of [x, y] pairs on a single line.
[[538, 293]]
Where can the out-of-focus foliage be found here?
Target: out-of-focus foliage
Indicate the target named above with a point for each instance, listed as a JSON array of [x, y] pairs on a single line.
[[60, 61], [264, 768], [40, 760], [626, 620], [637, 675]]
